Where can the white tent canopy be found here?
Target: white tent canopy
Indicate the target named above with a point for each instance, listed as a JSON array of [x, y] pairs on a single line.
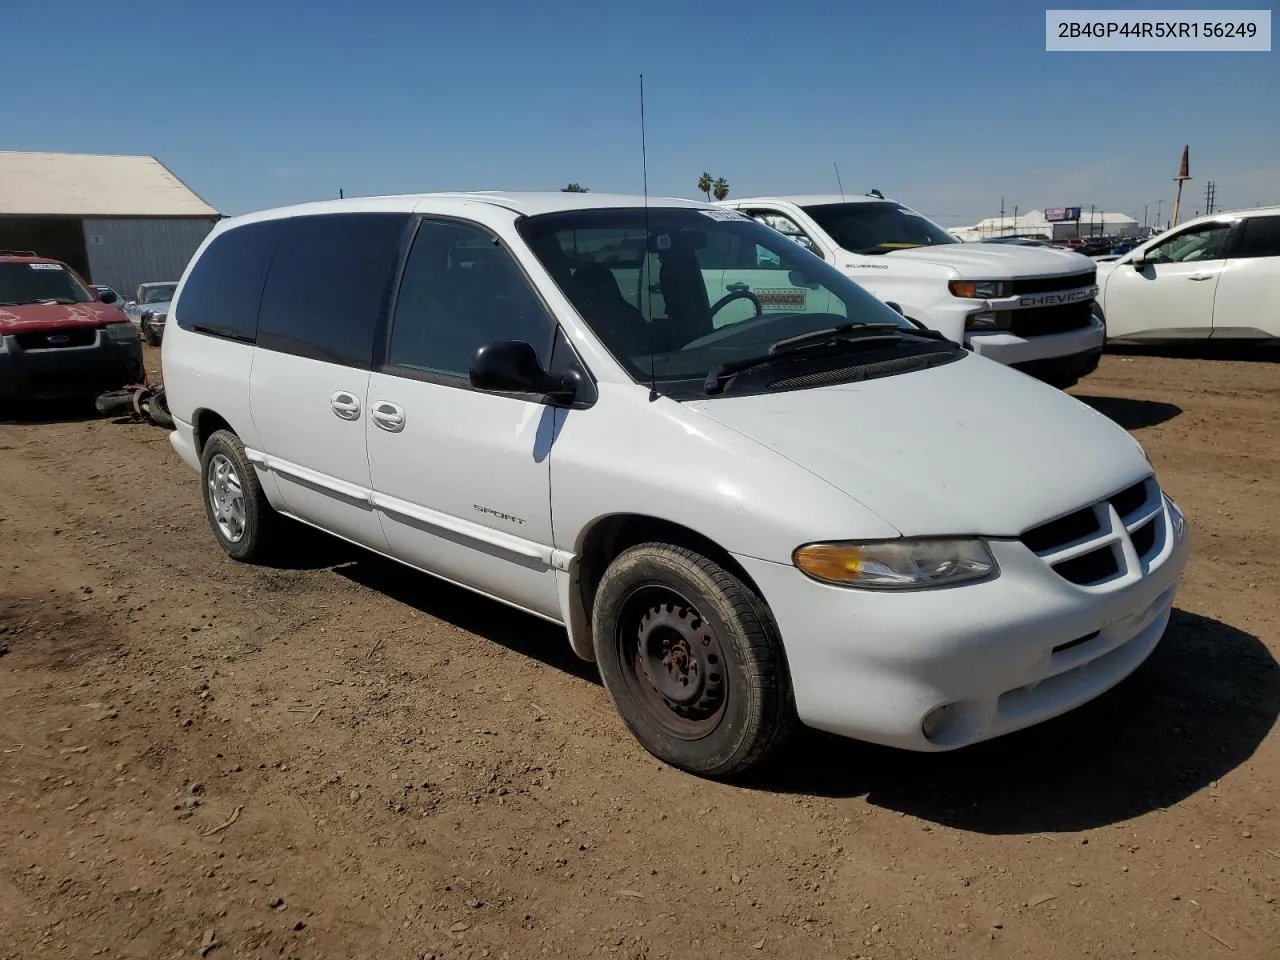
[[1099, 223]]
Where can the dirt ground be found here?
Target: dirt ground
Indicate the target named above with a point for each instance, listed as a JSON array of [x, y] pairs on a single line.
[[345, 759]]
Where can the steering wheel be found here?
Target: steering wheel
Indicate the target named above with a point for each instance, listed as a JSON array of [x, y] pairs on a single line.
[[733, 295]]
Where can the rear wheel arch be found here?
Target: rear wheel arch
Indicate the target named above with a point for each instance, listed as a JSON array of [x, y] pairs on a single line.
[[205, 424]]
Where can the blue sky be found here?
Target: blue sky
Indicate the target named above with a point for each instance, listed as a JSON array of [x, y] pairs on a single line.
[[946, 106]]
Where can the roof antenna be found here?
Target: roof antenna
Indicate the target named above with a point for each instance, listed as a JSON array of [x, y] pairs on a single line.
[[340, 196], [648, 281], [838, 183]]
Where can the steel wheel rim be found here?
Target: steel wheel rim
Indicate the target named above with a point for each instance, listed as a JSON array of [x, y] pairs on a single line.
[[672, 662], [226, 498]]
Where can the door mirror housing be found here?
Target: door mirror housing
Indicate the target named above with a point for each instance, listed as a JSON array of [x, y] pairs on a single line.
[[108, 296], [512, 366], [895, 307]]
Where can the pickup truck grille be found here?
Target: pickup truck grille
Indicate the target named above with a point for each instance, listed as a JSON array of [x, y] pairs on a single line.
[[1088, 546], [1021, 288], [1041, 321]]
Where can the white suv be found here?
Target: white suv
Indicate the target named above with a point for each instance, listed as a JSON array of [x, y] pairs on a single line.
[[1029, 307], [1217, 276], [747, 510]]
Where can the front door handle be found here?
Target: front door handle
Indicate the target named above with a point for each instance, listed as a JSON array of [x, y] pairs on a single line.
[[1201, 276], [736, 286], [387, 415], [346, 406]]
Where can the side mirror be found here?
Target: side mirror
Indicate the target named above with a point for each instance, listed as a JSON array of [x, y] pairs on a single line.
[[512, 366], [804, 241], [1137, 263], [896, 307], [108, 296]]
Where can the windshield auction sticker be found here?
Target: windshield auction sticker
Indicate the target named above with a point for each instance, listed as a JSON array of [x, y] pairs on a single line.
[[1150, 31]]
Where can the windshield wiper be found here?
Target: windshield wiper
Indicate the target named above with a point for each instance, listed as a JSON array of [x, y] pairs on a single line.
[[844, 336]]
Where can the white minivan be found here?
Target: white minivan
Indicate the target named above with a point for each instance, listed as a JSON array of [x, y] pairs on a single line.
[[819, 512], [1029, 307]]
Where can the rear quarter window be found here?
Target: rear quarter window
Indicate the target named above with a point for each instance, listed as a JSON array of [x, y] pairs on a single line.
[[1259, 237], [327, 285], [224, 289]]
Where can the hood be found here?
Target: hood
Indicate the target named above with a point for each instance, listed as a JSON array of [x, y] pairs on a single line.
[[970, 447], [160, 306], [50, 316], [998, 261]]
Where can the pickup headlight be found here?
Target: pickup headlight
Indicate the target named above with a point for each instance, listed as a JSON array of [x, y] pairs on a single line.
[[979, 289], [897, 564]]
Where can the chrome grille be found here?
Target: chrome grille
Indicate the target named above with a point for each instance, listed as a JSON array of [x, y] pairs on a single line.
[[1111, 541]]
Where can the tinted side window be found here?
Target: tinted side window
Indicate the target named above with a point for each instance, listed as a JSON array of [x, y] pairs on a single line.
[[1260, 237], [462, 289], [1206, 242], [224, 289], [327, 283]]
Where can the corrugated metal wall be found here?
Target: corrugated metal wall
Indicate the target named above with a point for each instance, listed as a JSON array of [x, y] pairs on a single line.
[[124, 252]]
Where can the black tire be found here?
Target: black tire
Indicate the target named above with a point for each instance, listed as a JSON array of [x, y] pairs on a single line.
[[115, 402], [714, 633], [158, 409], [259, 524]]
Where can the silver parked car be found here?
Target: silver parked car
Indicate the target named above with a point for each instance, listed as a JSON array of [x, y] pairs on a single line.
[[150, 308]]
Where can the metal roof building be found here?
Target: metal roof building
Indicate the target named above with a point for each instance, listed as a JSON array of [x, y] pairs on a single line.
[[116, 220]]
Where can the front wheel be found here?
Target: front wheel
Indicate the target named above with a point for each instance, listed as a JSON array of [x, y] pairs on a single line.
[[692, 660]]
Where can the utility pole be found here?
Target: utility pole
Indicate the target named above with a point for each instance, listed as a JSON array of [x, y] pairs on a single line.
[[1210, 195], [340, 197], [1144, 216], [1002, 216], [1092, 221], [1184, 174], [1015, 218], [1160, 214]]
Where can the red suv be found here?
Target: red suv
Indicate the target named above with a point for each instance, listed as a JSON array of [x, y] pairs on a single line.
[[57, 338]]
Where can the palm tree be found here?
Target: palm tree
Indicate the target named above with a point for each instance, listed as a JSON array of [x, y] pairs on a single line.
[[704, 184], [574, 188], [721, 188]]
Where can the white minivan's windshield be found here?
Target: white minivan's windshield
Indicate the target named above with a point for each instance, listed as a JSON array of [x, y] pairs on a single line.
[[697, 290], [877, 226]]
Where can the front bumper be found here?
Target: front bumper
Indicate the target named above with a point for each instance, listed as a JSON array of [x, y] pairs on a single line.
[[66, 372], [1001, 655], [1014, 350]]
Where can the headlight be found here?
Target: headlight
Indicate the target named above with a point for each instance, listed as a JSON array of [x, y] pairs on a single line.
[[979, 289], [122, 331], [897, 564]]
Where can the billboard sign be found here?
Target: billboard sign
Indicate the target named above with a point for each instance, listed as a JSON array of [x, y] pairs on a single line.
[[1057, 214]]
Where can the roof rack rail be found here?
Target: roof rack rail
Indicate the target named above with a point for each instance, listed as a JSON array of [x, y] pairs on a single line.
[[18, 253]]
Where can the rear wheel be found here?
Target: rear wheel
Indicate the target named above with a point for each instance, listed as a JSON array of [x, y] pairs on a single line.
[[692, 660], [238, 511]]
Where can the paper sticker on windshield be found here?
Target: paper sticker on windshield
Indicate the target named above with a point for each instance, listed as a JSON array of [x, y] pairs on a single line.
[[724, 214], [783, 298], [45, 266], [662, 241]]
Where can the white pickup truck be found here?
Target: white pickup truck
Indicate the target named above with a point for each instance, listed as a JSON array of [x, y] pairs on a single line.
[[1029, 307]]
